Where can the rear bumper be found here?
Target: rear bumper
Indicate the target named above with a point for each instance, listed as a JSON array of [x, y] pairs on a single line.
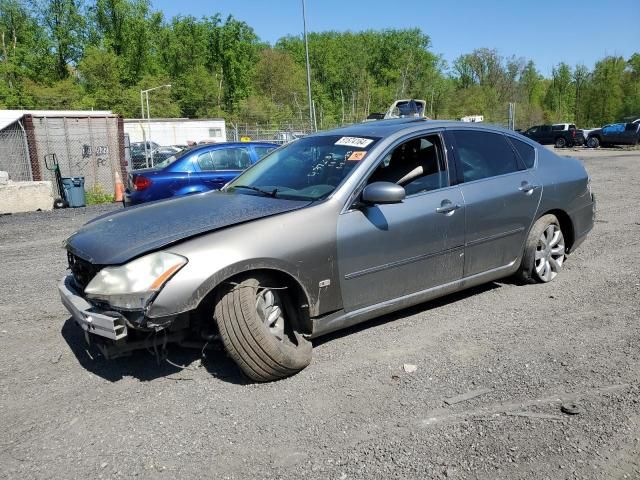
[[584, 218], [109, 325], [130, 198]]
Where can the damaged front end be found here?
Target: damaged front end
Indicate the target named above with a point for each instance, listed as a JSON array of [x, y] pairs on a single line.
[[110, 303]]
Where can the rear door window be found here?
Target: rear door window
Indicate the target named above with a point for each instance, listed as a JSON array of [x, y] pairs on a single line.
[[557, 127], [484, 154], [225, 159], [205, 161], [527, 152]]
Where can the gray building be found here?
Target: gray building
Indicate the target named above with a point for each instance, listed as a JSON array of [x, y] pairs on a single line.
[[85, 143]]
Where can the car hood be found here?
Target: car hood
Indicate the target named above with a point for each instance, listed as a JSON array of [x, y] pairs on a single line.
[[120, 236]]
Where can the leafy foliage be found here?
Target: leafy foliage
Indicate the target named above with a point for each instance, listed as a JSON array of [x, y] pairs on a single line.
[[96, 195], [101, 53]]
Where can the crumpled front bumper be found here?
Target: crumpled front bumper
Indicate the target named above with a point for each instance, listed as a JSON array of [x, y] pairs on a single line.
[[92, 320]]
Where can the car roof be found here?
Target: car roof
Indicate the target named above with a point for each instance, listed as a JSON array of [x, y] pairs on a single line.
[[230, 145], [385, 128]]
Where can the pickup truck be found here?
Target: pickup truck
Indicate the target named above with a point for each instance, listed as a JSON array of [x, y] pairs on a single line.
[[559, 134], [615, 134]]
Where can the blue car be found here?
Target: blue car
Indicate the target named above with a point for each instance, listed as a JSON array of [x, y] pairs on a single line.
[[195, 170]]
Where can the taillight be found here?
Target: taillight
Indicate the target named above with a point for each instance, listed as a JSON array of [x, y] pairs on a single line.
[[573, 133], [140, 182]]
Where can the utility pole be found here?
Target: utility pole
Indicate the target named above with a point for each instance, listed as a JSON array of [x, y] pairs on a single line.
[[148, 139], [144, 135], [431, 105], [306, 50]]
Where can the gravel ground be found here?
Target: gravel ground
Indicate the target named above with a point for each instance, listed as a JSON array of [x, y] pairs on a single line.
[[65, 412]]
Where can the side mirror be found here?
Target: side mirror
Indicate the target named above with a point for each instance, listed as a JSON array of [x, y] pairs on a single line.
[[383, 192]]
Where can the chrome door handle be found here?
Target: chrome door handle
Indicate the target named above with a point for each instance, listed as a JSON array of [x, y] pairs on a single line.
[[527, 187], [448, 208]]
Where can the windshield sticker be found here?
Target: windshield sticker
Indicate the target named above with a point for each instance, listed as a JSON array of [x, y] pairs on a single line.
[[357, 156], [354, 142]]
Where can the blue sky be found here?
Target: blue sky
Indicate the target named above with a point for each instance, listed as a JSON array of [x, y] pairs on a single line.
[[547, 31]]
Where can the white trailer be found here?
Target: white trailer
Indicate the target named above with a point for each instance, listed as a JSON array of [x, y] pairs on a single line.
[[176, 131]]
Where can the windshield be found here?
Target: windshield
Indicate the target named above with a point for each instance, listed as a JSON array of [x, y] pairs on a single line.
[[136, 148], [308, 169]]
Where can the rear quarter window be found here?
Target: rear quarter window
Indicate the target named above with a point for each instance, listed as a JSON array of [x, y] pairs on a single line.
[[527, 152]]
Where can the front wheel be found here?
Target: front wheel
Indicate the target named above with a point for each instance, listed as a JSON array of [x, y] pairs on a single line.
[[560, 142], [544, 251], [257, 323]]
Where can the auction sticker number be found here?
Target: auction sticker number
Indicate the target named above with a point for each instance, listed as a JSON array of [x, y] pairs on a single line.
[[354, 142], [356, 156]]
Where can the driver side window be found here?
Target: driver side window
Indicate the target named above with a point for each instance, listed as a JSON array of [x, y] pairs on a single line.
[[418, 165]]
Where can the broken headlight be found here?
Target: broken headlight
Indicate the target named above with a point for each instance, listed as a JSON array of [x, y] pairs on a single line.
[[132, 286]]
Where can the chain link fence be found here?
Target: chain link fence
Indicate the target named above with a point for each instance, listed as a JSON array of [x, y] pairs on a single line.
[[14, 153], [255, 132], [89, 147]]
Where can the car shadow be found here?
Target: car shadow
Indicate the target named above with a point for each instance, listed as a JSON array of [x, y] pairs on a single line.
[[144, 366], [421, 307]]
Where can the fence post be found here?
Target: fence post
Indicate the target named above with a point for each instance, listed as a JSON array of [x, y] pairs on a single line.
[[26, 151], [121, 154], [33, 148]]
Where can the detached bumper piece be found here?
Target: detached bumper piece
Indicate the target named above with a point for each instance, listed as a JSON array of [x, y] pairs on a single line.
[[109, 325]]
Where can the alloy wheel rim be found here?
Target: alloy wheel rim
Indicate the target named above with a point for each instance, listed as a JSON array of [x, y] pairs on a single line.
[[271, 313], [550, 252]]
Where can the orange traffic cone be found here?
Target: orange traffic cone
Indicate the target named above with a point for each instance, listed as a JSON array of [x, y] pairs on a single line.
[[119, 188]]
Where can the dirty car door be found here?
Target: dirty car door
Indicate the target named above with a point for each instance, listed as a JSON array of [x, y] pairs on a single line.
[[388, 251], [501, 196]]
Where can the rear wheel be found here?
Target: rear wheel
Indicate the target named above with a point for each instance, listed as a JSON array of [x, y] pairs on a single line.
[[560, 142], [593, 142], [544, 251], [257, 323]]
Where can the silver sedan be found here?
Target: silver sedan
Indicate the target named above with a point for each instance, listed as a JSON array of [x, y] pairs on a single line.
[[328, 231]]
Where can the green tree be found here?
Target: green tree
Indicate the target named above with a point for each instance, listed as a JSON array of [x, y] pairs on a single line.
[[64, 23], [23, 53], [631, 87], [237, 47], [100, 75], [606, 92], [560, 98], [581, 78]]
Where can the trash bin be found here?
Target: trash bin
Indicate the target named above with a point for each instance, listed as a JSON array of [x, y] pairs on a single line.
[[74, 191]]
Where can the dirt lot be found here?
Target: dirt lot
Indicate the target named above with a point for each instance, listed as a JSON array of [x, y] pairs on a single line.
[[65, 412]]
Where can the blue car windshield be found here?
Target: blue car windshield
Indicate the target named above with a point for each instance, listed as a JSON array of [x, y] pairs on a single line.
[[309, 168]]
